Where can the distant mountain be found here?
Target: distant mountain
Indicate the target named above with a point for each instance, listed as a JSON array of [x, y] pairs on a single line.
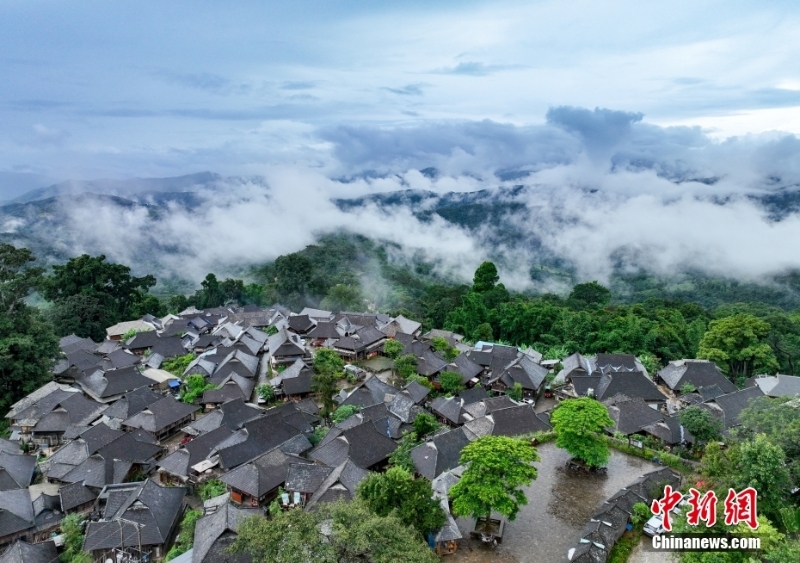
[[15, 184], [124, 188]]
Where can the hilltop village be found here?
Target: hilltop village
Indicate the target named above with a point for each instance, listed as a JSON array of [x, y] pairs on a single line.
[[219, 411]]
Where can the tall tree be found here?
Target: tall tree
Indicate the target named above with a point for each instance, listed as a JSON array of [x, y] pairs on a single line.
[[328, 368], [118, 294], [577, 423], [334, 533], [485, 277], [27, 344], [701, 424], [410, 499], [591, 293], [739, 344], [762, 465], [497, 469]]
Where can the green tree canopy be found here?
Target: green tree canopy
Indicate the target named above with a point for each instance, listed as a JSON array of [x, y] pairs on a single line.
[[704, 426], [497, 469], [343, 297], [328, 368], [344, 412], [392, 348], [406, 366], [27, 344], [485, 277], [577, 423], [762, 465], [739, 344], [109, 287], [425, 424], [451, 382], [398, 492], [334, 533], [591, 293]]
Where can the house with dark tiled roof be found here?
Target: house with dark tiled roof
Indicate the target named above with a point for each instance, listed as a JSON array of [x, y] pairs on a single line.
[[216, 531], [16, 515], [696, 373], [24, 552], [364, 343], [16, 470], [340, 484], [324, 332], [372, 392], [776, 385], [368, 445], [305, 479], [77, 497], [523, 371], [285, 348], [256, 483], [517, 421], [300, 324], [74, 410], [630, 414], [136, 518], [729, 407], [447, 410], [109, 386], [162, 418], [631, 383], [439, 453], [179, 466]]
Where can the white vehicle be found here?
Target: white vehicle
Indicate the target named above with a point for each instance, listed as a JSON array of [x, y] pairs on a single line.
[[654, 526]]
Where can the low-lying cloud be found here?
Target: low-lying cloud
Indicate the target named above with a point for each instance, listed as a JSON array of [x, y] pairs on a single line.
[[602, 190]]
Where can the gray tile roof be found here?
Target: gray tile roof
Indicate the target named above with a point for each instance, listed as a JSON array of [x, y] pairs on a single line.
[[18, 469], [700, 373], [16, 511], [160, 414], [263, 474], [24, 552], [439, 454], [306, 478], [157, 510], [105, 386], [449, 408], [517, 420], [631, 414], [74, 495], [211, 528], [630, 383], [733, 404], [340, 484]]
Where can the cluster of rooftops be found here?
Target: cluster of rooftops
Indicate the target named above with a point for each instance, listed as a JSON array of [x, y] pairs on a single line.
[[115, 444]]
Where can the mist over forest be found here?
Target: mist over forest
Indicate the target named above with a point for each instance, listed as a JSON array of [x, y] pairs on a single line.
[[589, 194]]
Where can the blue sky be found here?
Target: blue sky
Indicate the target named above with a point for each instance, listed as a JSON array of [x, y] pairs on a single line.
[[112, 89]]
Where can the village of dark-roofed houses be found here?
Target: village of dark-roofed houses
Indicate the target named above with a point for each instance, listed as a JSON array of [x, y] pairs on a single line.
[[109, 439]]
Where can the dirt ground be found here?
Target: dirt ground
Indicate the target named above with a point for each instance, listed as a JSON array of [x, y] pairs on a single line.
[[472, 551]]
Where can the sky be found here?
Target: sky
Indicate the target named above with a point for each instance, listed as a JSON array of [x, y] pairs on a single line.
[[150, 89], [648, 134]]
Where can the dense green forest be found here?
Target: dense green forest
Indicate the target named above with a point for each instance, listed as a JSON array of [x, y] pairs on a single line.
[[659, 320]]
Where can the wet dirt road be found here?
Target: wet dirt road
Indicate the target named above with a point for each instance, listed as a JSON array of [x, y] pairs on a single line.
[[560, 503]]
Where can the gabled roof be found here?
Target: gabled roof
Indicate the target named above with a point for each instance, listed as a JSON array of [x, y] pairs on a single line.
[[616, 362], [373, 391], [72, 343], [263, 474], [306, 478], [516, 421], [630, 414], [16, 511], [630, 383], [263, 434], [157, 510], [160, 414], [416, 391], [364, 444], [98, 436], [74, 495], [37, 404], [238, 412], [325, 330], [16, 470], [733, 404], [439, 454], [210, 528], [449, 408], [141, 340], [525, 372], [776, 385], [462, 364], [127, 448], [24, 552], [473, 395], [699, 373], [105, 386], [285, 343], [120, 329], [341, 484], [181, 460], [300, 323]]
